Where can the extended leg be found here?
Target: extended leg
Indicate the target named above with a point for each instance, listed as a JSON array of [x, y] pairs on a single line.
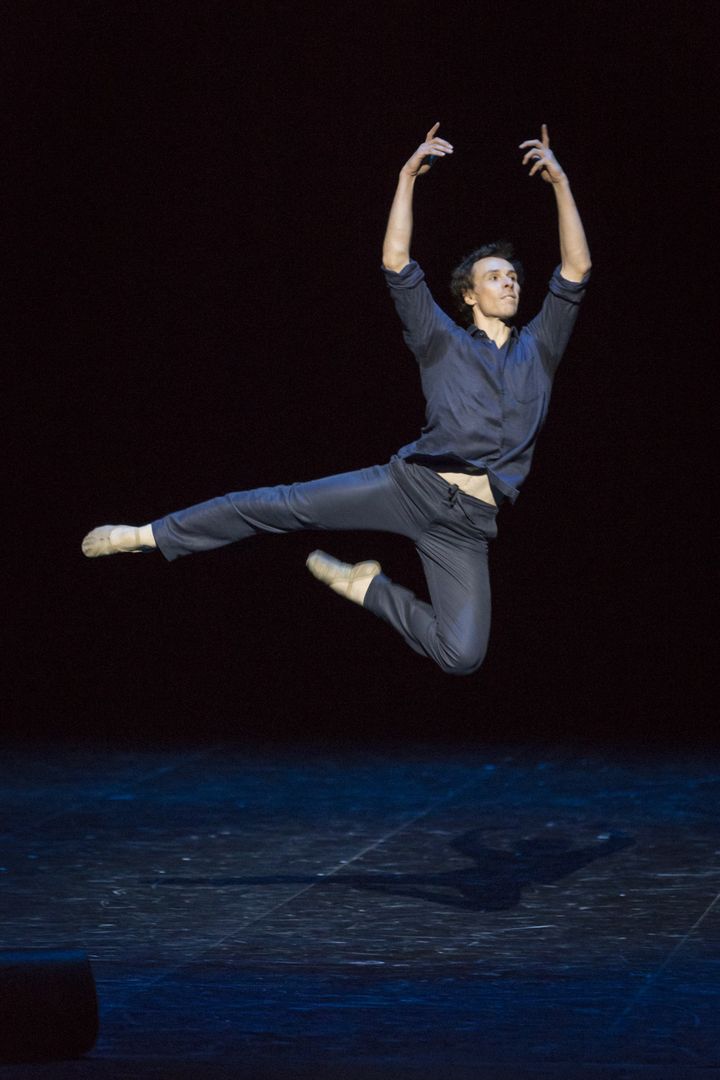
[[366, 499]]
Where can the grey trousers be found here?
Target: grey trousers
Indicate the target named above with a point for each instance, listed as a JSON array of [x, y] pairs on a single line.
[[449, 528]]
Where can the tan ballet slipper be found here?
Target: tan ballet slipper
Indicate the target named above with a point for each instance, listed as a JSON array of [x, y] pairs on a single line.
[[346, 579], [113, 540]]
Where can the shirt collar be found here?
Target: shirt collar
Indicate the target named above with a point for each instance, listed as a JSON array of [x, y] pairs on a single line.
[[475, 331]]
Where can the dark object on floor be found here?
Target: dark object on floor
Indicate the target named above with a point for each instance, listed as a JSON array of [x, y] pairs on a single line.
[[48, 1005]]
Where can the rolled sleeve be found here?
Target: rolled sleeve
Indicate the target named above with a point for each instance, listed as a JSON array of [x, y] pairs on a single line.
[[424, 323], [552, 326], [407, 278], [573, 291]]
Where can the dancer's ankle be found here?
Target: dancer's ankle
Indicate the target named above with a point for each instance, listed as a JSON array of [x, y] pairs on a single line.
[[146, 536]]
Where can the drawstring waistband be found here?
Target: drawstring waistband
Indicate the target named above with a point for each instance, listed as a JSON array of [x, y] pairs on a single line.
[[477, 485], [453, 492]]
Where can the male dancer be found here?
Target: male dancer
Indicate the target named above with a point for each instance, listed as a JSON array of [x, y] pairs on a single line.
[[487, 389]]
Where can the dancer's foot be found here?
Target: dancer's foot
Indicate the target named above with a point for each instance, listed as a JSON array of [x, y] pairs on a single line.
[[114, 539], [343, 578]]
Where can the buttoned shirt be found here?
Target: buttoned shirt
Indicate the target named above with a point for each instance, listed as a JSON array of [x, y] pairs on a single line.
[[485, 405]]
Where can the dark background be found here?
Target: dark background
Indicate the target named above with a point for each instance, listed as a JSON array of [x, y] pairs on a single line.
[[199, 194]]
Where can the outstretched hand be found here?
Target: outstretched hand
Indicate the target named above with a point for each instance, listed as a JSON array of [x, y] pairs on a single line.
[[432, 148], [543, 158]]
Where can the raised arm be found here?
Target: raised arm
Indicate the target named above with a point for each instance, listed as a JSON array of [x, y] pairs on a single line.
[[574, 251], [396, 246]]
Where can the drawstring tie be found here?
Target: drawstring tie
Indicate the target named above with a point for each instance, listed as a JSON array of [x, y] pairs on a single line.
[[453, 492]]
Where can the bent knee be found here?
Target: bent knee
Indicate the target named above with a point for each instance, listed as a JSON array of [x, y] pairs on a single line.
[[461, 661]]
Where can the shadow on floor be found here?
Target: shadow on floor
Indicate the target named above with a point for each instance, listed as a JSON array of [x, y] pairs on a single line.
[[493, 883]]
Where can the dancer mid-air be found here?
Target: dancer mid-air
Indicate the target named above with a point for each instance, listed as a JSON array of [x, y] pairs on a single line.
[[487, 388]]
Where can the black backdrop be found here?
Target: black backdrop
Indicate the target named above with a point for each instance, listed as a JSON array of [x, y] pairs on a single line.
[[199, 197]]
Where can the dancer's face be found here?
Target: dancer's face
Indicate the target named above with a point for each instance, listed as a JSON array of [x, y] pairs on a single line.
[[495, 291]]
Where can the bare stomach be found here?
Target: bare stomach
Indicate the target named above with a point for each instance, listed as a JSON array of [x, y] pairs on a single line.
[[477, 486]]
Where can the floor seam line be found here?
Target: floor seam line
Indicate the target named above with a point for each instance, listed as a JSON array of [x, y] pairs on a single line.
[[653, 977]]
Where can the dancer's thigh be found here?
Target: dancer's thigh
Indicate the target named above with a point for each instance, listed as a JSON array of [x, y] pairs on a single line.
[[364, 499]]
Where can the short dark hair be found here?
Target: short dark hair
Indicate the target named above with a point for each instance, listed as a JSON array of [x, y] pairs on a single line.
[[461, 280]]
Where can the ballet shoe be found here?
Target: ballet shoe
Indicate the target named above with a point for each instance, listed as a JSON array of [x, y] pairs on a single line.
[[100, 542], [346, 579]]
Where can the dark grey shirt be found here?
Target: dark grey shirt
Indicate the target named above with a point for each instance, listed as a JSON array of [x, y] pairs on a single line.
[[484, 406]]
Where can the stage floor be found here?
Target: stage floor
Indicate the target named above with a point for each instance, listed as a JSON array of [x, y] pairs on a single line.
[[492, 912]]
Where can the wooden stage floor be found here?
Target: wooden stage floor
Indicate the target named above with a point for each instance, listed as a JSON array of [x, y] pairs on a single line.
[[415, 913]]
